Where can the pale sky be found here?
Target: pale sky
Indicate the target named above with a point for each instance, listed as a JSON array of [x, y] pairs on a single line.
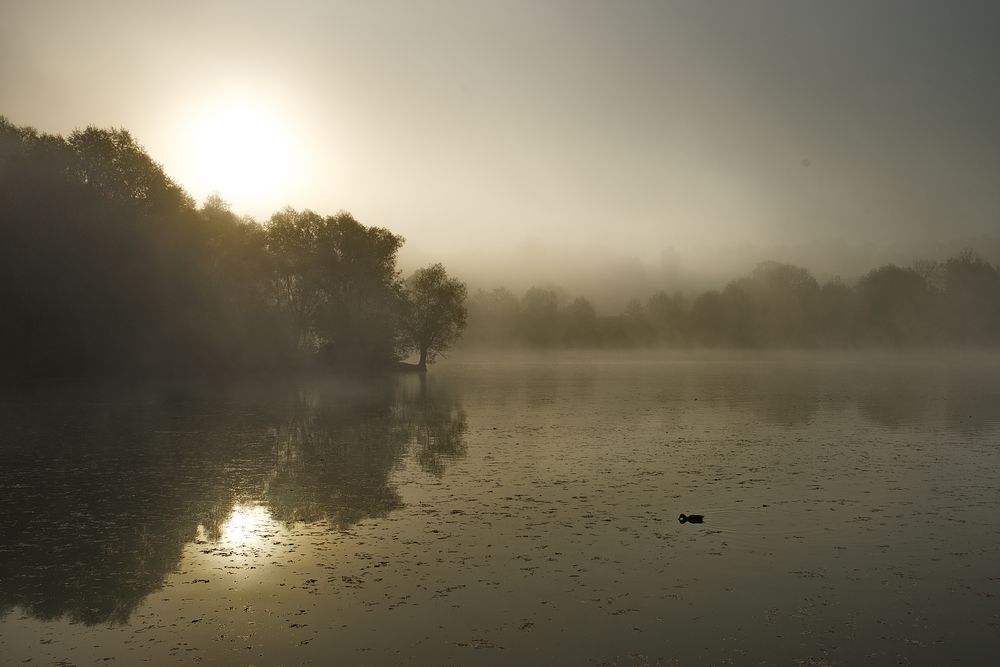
[[478, 128]]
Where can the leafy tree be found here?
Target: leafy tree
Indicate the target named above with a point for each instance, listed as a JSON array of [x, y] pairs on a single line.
[[292, 241], [537, 316], [709, 318], [668, 315], [437, 312], [933, 273], [835, 308], [123, 252], [971, 307], [336, 281], [493, 317], [893, 305], [109, 268], [636, 322], [113, 163], [776, 302], [359, 321], [579, 323], [739, 316]]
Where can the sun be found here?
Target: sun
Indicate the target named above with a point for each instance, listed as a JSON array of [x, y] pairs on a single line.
[[242, 152]]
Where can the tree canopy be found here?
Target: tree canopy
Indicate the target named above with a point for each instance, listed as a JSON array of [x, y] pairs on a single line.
[[954, 302], [437, 312], [108, 267]]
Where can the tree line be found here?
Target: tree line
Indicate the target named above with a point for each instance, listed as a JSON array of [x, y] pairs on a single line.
[[951, 302], [108, 267]]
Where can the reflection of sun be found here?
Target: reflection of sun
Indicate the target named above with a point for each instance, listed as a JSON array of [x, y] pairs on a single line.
[[246, 525], [243, 543]]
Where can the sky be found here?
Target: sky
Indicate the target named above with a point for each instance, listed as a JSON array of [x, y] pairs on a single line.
[[529, 140]]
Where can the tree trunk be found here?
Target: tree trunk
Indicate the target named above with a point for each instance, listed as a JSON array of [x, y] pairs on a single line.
[[423, 357]]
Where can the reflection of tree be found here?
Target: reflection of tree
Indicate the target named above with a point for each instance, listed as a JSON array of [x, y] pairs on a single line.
[[887, 394], [778, 396], [439, 426], [971, 406], [893, 400], [964, 399], [333, 460], [100, 495], [99, 502]]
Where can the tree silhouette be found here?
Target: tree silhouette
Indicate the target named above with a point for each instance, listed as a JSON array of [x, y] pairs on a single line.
[[777, 305], [893, 304], [436, 311], [108, 268], [971, 305]]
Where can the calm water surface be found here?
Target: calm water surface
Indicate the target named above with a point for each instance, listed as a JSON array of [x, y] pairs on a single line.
[[518, 510]]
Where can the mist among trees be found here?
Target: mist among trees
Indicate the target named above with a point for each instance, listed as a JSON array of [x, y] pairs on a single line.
[[954, 302], [108, 267]]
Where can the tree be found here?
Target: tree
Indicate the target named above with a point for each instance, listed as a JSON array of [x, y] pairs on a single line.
[[579, 322], [437, 312], [493, 317], [709, 318], [781, 301], [336, 281], [893, 305], [835, 313], [638, 330], [114, 164], [359, 320], [971, 304], [537, 316], [108, 267], [292, 243], [668, 316]]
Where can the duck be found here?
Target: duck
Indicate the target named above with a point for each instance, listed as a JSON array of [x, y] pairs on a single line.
[[691, 518]]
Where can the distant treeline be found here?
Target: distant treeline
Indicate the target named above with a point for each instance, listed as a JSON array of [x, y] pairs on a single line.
[[108, 267], [954, 302]]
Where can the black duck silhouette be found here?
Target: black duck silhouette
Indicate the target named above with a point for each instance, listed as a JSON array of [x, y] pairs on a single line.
[[691, 518]]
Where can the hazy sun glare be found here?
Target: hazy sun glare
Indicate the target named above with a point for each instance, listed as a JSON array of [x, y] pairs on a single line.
[[246, 524], [243, 152]]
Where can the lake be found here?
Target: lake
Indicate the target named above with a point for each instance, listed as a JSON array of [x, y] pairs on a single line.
[[513, 509]]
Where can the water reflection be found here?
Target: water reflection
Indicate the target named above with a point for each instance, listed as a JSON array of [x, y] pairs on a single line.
[[103, 492], [243, 526], [102, 489], [780, 395], [438, 425], [962, 399]]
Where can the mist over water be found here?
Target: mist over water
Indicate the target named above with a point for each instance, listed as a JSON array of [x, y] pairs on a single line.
[[480, 515], [478, 333], [612, 274]]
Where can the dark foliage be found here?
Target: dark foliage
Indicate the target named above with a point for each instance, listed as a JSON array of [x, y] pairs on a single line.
[[108, 268], [956, 302], [437, 312]]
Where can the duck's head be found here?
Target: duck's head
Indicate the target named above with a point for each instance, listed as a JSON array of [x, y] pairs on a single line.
[[682, 518]]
